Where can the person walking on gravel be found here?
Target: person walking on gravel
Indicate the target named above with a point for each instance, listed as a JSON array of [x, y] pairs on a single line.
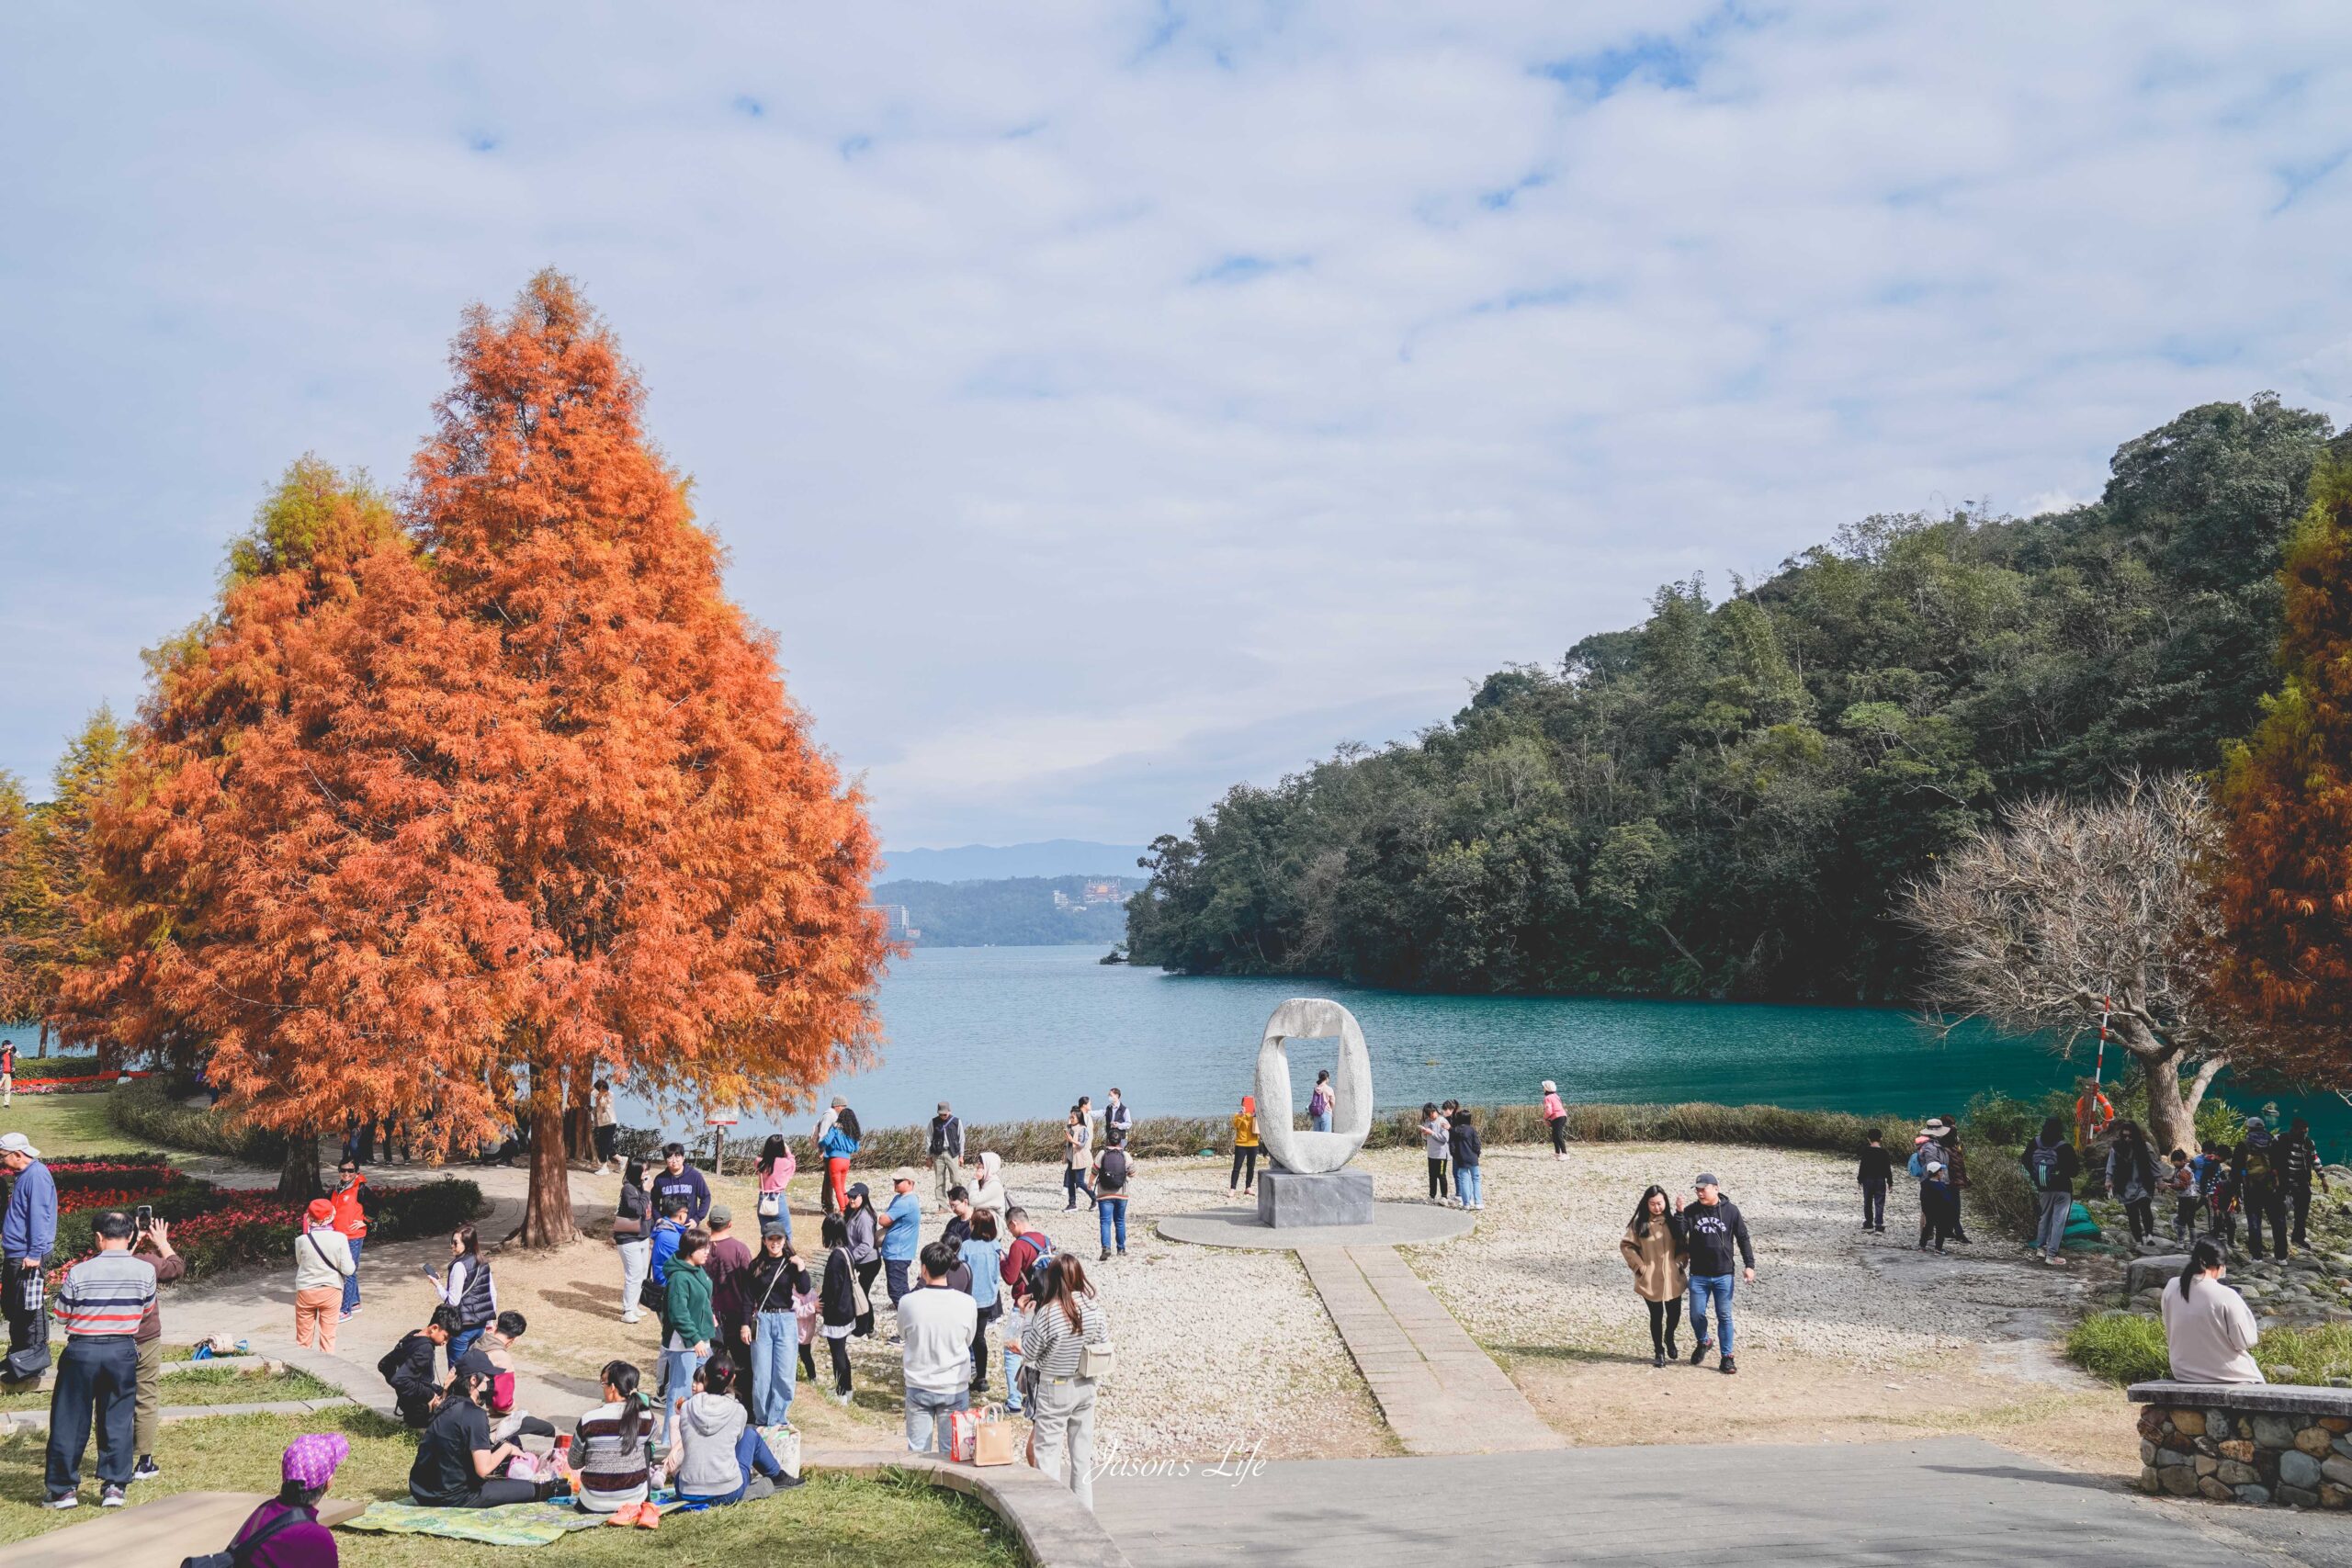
[[1437, 1142], [1469, 1189], [1556, 1119], [2052, 1164], [1712, 1228], [946, 1149], [1875, 1175], [1653, 1249], [1078, 1158], [1244, 1180]]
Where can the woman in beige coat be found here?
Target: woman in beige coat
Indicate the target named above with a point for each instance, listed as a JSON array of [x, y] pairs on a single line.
[[1654, 1250]]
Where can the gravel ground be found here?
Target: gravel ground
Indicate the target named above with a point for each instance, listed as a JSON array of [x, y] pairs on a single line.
[[1543, 1266]]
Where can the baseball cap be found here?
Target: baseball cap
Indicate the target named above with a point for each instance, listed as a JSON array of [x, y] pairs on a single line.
[[1706, 1179], [774, 1227], [18, 1144], [476, 1363], [721, 1214], [905, 1173], [1934, 1165]]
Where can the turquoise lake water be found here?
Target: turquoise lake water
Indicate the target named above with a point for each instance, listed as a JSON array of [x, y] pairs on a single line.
[[1010, 1033]]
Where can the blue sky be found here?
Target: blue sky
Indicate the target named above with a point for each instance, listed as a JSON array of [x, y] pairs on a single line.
[[1104, 403]]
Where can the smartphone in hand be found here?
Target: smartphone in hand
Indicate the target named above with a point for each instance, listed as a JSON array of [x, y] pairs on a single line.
[[146, 1216]]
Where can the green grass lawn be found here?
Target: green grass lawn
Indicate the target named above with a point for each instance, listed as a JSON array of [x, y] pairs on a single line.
[[208, 1385], [832, 1522], [66, 1124], [2125, 1347]]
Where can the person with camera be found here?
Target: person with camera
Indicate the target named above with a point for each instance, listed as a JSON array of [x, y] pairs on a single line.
[[154, 1240]]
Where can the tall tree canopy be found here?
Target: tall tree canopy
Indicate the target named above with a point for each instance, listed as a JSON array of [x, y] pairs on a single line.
[[439, 817], [2284, 877], [1728, 799]]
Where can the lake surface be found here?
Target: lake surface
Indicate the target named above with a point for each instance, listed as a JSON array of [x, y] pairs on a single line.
[[1013, 1033]]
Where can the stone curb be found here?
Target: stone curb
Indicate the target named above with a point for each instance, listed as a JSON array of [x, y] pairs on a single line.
[[1052, 1526]]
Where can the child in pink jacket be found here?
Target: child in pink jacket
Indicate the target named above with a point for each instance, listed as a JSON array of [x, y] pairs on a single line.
[[1556, 1115]]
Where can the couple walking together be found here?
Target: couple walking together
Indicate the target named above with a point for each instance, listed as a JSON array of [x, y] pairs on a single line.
[[1675, 1247]]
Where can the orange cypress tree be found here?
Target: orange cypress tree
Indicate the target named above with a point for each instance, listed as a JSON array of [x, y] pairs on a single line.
[[692, 873], [2284, 877]]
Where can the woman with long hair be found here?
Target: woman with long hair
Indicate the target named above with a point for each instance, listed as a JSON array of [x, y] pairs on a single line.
[[777, 1167], [837, 1302], [1245, 1150], [633, 1237], [2131, 1175], [2209, 1330], [1063, 1325], [606, 1465], [839, 1147], [984, 1256], [857, 1220], [468, 1287], [1654, 1250]]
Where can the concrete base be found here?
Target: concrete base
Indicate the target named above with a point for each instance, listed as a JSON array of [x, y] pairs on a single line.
[[1287, 1198]]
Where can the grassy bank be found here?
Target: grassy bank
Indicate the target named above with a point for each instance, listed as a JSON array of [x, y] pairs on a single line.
[[148, 1110], [831, 1520], [2126, 1347]]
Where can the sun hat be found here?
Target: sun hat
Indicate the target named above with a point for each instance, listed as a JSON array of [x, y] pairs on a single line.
[[1706, 1179], [311, 1459], [17, 1144], [320, 1211], [1551, 1088], [1934, 1165], [905, 1173]]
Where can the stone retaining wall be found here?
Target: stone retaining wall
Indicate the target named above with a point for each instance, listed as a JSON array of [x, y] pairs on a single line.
[[2246, 1443]]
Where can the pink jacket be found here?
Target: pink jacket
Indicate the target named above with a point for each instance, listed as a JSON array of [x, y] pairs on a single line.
[[1553, 1109]]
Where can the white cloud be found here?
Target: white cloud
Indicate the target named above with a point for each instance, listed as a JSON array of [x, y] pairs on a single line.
[[1102, 407]]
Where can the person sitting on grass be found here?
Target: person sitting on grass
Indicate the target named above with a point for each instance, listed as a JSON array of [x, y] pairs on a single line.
[[409, 1367], [458, 1461], [607, 1466], [288, 1525], [2209, 1332], [719, 1457]]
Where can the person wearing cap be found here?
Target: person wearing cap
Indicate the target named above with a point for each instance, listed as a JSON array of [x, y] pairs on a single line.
[[769, 1289], [100, 1306], [285, 1532], [946, 1148], [457, 1461], [901, 1228], [1712, 1228], [728, 1258], [2262, 1187], [1555, 1117], [1939, 1206], [27, 1234], [323, 1263]]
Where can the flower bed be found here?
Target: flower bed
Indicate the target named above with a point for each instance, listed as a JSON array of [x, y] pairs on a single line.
[[92, 1083]]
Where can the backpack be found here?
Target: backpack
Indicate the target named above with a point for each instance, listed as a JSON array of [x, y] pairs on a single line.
[[2257, 1163], [2042, 1164], [1040, 1263], [1115, 1169], [241, 1555]]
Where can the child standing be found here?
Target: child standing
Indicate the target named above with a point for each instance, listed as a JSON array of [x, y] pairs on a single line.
[[2222, 1197], [1556, 1116], [1436, 1145], [2180, 1185]]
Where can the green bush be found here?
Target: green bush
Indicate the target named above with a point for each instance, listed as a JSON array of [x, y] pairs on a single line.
[[38, 1067], [146, 1108], [403, 1213]]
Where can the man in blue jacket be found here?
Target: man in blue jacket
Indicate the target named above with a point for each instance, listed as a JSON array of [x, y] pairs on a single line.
[[28, 1233]]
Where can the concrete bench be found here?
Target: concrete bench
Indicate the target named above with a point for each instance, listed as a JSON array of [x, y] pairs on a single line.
[[2246, 1442]]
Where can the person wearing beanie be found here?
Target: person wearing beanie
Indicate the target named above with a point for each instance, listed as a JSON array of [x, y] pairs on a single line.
[[322, 1263], [284, 1531]]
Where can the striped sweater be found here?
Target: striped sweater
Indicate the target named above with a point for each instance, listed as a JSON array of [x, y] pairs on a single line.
[[108, 1293]]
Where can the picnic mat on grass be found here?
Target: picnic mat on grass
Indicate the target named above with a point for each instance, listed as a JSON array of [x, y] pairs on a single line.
[[515, 1524]]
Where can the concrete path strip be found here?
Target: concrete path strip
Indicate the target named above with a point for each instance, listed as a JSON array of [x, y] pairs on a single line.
[[1440, 1393], [1956, 1501]]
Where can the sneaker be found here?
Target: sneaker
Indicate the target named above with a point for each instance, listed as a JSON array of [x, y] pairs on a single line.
[[1105, 1258], [841, 1400], [630, 1317], [64, 1500], [344, 1317], [1123, 1252], [2054, 1260], [112, 1498], [1698, 1352], [1728, 1367], [146, 1468]]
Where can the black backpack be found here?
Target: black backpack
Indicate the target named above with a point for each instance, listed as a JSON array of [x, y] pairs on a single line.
[[1041, 1264], [241, 1554], [2042, 1164]]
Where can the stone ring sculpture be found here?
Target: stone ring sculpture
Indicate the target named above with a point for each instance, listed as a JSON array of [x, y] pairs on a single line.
[[1313, 1153]]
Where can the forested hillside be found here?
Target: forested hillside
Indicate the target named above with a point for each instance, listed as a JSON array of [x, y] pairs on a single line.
[[1723, 800], [1011, 911]]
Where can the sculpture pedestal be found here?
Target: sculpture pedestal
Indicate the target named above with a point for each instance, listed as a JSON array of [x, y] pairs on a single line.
[[1285, 1198]]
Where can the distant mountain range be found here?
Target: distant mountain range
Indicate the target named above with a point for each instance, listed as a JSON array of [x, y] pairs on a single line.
[[987, 862], [1011, 911]]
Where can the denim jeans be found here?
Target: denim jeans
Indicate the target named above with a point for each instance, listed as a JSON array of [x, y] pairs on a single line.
[[2050, 1232], [927, 1413], [776, 1349], [1465, 1184], [461, 1342], [1318, 1121], [1715, 1287], [895, 1270], [678, 1369], [351, 1280], [1112, 1213], [1014, 1321]]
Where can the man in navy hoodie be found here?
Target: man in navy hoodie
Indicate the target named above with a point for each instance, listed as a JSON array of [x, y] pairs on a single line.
[[1713, 1227]]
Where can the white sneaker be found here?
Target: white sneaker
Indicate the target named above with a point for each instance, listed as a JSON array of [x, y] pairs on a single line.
[[112, 1498], [631, 1316], [68, 1501]]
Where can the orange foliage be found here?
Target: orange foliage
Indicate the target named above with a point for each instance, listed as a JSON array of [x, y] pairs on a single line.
[[2284, 877], [438, 823]]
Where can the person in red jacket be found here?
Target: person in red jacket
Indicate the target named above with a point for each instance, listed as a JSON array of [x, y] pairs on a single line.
[[350, 1200]]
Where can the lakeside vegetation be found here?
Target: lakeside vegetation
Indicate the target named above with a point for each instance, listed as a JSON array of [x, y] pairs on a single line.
[[1728, 799]]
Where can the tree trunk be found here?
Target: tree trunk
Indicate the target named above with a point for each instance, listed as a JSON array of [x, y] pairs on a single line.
[[2172, 1117], [298, 1173], [546, 1213]]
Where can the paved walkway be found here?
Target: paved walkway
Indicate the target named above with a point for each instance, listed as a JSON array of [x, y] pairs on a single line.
[[1957, 1502], [1441, 1393]]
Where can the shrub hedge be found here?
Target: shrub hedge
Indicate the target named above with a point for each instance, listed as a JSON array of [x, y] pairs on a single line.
[[218, 1228], [149, 1109]]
